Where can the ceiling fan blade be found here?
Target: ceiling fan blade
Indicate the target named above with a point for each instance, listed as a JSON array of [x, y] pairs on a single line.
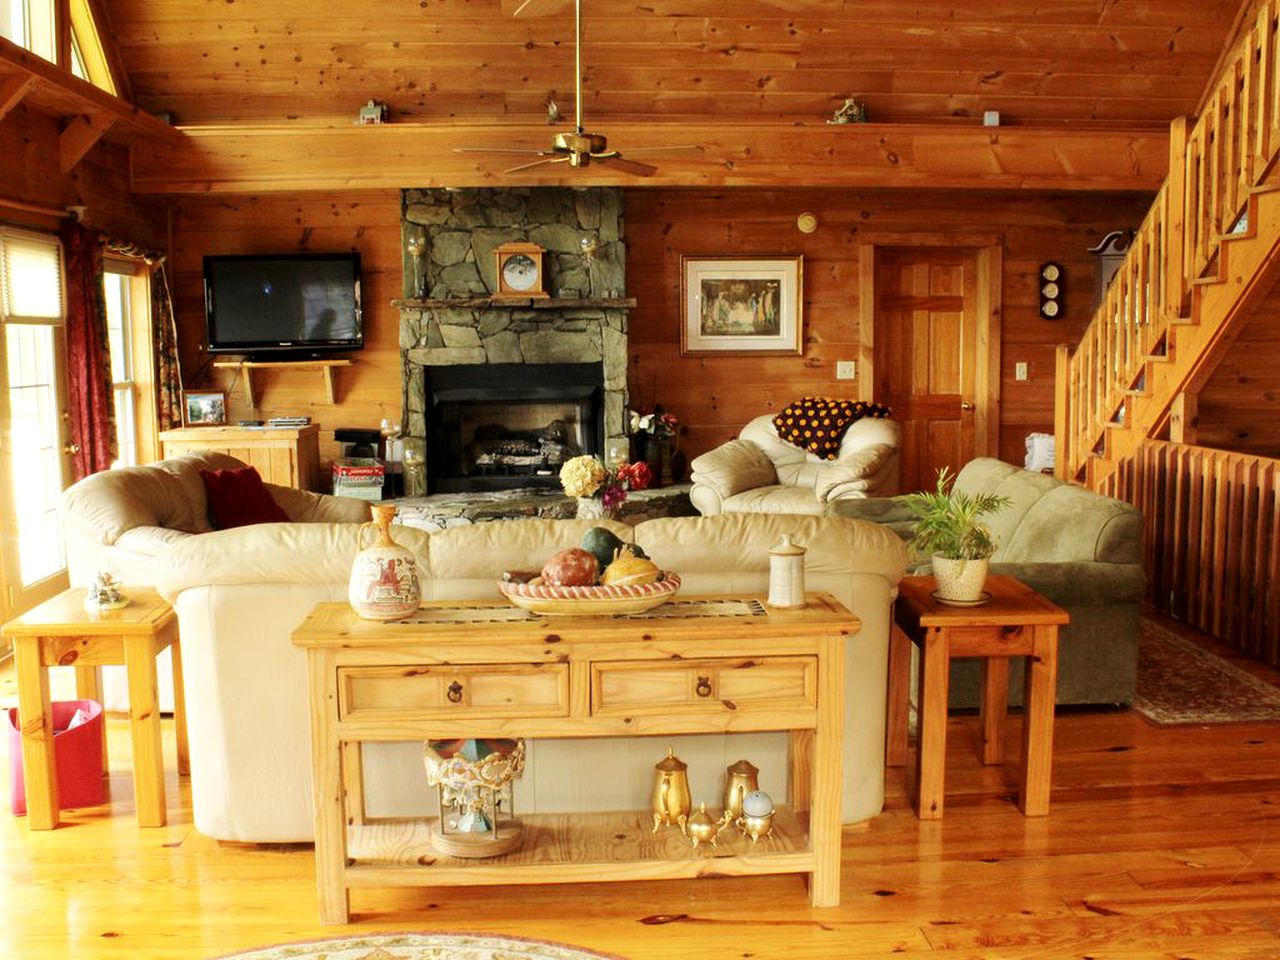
[[509, 150], [683, 146], [536, 163], [533, 8], [629, 166]]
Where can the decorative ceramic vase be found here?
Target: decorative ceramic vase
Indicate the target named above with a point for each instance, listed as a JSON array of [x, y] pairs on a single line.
[[960, 580], [384, 576], [592, 508]]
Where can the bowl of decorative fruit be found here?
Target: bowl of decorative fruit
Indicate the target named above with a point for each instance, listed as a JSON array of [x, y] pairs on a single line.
[[601, 577]]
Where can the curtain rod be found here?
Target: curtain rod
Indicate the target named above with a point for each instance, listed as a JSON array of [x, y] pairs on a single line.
[[40, 209]]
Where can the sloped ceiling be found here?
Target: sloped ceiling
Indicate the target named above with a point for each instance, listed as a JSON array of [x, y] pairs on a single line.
[[1131, 63]]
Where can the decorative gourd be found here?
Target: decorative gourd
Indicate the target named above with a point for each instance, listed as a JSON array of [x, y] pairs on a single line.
[[628, 569], [601, 542], [573, 567]]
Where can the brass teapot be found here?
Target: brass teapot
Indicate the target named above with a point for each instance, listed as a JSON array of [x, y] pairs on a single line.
[[740, 779], [671, 800]]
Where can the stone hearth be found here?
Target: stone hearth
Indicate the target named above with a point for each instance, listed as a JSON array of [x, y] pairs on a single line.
[[584, 321]]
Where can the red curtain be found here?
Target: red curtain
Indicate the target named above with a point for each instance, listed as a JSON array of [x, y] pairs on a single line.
[[90, 400], [168, 373]]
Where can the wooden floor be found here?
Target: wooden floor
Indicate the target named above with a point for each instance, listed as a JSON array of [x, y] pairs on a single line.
[[1161, 843]]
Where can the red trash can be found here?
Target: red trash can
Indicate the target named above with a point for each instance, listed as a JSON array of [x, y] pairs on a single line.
[[78, 755]]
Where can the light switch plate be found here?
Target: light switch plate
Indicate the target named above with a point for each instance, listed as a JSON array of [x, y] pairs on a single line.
[[846, 369], [1020, 371]]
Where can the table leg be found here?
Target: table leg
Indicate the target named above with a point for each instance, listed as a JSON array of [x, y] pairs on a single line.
[[144, 726], [994, 707], [35, 720], [353, 775], [89, 687], [179, 704], [331, 826], [828, 783], [1037, 723], [898, 697], [931, 753]]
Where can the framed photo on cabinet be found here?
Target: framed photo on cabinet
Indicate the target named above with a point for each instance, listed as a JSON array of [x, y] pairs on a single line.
[[204, 408], [740, 306]]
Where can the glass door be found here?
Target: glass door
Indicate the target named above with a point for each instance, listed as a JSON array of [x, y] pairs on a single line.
[[34, 455]]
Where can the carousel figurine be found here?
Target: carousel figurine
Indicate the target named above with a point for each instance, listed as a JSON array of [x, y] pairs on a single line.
[[473, 781]]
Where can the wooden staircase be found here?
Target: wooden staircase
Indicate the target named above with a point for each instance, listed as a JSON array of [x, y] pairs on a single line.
[[1207, 252]]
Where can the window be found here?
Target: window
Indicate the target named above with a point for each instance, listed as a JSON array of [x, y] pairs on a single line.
[[30, 24], [32, 398], [117, 289], [33, 24]]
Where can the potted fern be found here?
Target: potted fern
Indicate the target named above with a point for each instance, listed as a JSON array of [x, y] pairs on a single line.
[[950, 530]]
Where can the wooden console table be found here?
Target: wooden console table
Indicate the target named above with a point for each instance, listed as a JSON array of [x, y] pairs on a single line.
[[486, 669]]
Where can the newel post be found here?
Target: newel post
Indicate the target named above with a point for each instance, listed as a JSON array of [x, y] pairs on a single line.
[[1061, 413]]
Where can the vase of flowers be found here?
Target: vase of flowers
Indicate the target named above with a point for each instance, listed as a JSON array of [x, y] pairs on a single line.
[[599, 489], [657, 440]]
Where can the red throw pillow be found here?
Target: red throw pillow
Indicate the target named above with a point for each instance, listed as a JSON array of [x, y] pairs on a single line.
[[238, 498]]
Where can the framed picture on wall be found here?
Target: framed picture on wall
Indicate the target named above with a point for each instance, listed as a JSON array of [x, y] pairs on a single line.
[[204, 408], [745, 306]]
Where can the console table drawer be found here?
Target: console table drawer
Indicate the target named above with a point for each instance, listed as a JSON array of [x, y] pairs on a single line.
[[500, 690], [648, 687]]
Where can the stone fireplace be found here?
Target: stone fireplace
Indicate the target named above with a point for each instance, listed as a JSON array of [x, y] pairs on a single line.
[[500, 392]]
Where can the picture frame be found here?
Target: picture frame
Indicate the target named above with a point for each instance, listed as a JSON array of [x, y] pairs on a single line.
[[741, 306], [204, 408]]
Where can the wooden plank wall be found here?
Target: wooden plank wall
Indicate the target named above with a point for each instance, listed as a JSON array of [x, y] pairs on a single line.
[[366, 222], [1239, 406], [714, 397], [29, 172]]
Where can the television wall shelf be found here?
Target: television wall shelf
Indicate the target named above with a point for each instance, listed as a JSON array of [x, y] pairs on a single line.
[[246, 367]]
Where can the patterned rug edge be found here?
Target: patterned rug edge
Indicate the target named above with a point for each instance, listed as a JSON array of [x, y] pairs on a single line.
[[1241, 697], [587, 953]]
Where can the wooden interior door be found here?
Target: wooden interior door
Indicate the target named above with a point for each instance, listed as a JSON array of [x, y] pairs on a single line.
[[927, 354]]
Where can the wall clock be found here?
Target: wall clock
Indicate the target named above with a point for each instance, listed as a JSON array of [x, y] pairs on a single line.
[[1051, 284], [519, 271]]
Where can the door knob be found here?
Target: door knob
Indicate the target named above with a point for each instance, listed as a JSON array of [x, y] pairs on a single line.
[[966, 405], [71, 449]]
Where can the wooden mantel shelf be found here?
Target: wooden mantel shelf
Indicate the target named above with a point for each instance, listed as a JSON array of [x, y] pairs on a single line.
[[245, 368], [528, 303]]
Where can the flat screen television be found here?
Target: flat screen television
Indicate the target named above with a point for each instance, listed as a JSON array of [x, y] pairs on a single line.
[[299, 304]]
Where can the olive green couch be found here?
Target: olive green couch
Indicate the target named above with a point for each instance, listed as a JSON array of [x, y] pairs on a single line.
[[1080, 549]]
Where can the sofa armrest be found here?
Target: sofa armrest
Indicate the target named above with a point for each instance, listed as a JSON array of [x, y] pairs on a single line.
[[733, 467], [883, 510], [302, 506], [1084, 583]]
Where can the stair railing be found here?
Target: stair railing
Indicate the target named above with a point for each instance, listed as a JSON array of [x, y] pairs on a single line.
[[1214, 168]]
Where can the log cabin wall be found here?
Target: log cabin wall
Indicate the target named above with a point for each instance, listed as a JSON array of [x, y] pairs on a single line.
[[714, 397], [29, 172]]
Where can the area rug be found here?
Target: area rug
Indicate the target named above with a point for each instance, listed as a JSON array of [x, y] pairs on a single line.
[[422, 946], [1179, 682]]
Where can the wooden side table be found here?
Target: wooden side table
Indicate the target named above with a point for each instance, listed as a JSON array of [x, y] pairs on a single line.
[[60, 632], [1017, 622]]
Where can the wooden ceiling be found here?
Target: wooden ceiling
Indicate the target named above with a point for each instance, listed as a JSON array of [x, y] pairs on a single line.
[[1125, 63]]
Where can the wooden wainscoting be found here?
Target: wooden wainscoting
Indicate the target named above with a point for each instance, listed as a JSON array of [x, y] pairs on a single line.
[[1212, 539]]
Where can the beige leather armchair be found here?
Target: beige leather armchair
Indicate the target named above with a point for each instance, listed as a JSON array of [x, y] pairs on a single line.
[[761, 473]]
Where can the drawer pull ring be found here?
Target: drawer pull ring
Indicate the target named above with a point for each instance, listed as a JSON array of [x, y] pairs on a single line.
[[454, 693], [703, 689]]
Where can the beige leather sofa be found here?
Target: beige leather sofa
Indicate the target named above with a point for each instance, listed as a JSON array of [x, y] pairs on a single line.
[[761, 473], [121, 521], [240, 593]]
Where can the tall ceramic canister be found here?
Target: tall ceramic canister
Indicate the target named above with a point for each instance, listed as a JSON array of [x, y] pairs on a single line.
[[786, 573], [384, 577]]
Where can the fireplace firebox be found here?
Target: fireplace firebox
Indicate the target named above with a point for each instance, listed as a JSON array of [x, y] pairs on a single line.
[[497, 426]]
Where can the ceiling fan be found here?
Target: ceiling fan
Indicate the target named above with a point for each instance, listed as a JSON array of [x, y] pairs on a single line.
[[580, 148]]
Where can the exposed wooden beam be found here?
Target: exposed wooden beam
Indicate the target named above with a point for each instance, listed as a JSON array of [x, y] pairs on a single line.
[[12, 90], [78, 138], [283, 157]]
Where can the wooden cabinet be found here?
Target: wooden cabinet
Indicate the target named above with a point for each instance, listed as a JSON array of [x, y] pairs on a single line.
[[462, 669], [288, 456]]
